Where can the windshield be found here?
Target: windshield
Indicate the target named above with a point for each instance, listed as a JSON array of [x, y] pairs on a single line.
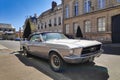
[[52, 36]]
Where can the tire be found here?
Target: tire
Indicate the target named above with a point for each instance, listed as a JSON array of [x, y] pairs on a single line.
[[90, 60], [56, 62], [25, 52]]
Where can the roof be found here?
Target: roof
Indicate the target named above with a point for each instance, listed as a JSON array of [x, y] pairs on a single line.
[[58, 7], [4, 25]]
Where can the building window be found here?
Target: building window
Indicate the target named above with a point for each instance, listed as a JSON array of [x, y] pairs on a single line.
[[38, 26], [67, 11], [101, 24], [59, 21], [55, 22], [118, 0], [5, 30], [9, 30], [41, 25], [45, 25], [67, 28], [101, 4], [50, 24], [75, 26], [87, 6], [76, 8], [87, 26]]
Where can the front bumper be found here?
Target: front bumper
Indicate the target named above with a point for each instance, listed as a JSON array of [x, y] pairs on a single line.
[[80, 59]]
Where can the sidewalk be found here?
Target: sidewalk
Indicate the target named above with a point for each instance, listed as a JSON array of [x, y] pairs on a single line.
[[4, 50], [11, 68]]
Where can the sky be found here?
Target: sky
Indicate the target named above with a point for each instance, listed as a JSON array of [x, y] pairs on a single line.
[[16, 11]]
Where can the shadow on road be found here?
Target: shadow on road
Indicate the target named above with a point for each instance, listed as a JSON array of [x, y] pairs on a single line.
[[88, 71]]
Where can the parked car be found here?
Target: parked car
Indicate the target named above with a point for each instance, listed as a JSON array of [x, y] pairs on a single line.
[[60, 50], [17, 39]]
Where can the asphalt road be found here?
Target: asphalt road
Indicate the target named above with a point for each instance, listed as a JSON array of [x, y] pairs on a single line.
[[106, 67], [88, 71]]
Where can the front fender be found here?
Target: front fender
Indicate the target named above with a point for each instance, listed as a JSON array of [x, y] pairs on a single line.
[[55, 50]]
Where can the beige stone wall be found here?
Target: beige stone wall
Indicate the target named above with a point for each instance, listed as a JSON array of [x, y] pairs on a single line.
[[51, 15], [5, 29], [112, 8]]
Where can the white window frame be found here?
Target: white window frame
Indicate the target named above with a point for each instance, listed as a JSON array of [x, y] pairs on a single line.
[[101, 24], [67, 28], [55, 21], [87, 24], [67, 11], [118, 0], [87, 6], [75, 27], [59, 21], [42, 26], [45, 25], [101, 4], [76, 8]]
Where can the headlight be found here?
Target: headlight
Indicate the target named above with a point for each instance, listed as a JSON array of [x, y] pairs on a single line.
[[71, 51], [76, 51]]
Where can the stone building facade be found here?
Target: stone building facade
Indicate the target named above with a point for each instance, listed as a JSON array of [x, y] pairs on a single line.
[[51, 20], [19, 34], [97, 19], [7, 31], [30, 26]]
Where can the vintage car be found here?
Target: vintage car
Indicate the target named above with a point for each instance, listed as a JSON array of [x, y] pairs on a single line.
[[60, 50]]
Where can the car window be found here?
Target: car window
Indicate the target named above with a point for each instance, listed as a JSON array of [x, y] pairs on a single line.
[[51, 36], [35, 38]]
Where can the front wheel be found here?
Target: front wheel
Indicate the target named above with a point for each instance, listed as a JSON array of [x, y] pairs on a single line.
[[25, 52], [56, 62], [90, 60]]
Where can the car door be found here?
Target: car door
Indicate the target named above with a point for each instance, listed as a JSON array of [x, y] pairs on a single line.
[[31, 45], [37, 46]]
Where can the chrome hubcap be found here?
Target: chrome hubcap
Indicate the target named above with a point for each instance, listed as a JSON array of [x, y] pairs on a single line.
[[55, 61]]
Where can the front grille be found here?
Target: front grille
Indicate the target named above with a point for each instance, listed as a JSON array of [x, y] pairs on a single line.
[[91, 49]]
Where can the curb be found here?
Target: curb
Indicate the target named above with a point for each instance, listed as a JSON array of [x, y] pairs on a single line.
[[7, 51]]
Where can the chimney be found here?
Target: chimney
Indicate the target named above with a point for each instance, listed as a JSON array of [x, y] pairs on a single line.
[[54, 4]]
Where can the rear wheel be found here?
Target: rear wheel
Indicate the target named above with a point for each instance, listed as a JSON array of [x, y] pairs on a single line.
[[56, 62]]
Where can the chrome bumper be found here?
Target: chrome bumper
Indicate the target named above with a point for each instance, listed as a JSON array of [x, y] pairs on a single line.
[[80, 59]]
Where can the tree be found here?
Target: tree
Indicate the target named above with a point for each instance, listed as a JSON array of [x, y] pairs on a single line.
[[27, 30], [79, 32]]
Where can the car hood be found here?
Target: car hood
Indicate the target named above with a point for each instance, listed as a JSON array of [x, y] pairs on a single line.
[[72, 43]]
